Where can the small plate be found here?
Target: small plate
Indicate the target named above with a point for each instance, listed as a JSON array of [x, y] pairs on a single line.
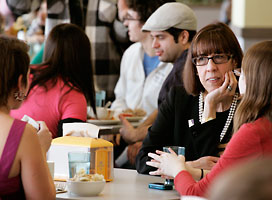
[[103, 122], [134, 119]]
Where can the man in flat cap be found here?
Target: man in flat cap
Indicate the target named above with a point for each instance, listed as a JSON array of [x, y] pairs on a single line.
[[172, 27]]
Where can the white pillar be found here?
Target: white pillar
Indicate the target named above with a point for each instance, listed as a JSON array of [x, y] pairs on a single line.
[[252, 21]]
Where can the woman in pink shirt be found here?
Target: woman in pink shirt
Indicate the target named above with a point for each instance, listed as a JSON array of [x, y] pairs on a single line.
[[252, 127], [62, 85]]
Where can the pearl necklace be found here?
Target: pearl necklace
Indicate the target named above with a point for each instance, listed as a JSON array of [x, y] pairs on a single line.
[[230, 116]]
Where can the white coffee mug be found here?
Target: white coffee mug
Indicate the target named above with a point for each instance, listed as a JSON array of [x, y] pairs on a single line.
[[51, 166]]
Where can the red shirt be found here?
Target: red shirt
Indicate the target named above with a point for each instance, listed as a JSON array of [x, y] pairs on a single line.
[[251, 140]]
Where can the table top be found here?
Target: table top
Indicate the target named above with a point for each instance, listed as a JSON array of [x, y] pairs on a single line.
[[128, 184]]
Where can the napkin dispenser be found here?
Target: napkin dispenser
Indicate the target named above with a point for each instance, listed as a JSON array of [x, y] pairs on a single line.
[[101, 161]]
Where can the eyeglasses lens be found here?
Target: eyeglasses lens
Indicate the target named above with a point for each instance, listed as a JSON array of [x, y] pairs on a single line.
[[217, 59]]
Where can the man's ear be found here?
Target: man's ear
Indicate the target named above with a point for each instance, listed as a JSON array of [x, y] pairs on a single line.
[[184, 37]]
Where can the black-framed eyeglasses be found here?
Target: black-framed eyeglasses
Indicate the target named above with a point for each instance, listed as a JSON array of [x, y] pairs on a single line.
[[129, 18], [217, 59]]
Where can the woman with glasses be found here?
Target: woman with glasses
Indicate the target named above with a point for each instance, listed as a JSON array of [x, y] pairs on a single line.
[[252, 127], [200, 117]]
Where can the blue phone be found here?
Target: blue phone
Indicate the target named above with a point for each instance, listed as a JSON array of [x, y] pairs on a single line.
[[160, 186]]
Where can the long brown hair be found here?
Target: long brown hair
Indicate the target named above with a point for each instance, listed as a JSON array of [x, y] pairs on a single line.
[[67, 55], [213, 38], [257, 100]]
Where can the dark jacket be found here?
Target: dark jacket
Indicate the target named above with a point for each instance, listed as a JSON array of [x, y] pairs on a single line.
[[171, 128]]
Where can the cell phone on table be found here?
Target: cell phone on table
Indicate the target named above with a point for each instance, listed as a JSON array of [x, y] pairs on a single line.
[[160, 186]]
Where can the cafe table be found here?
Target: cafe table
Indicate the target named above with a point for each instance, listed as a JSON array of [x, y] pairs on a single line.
[[128, 184]]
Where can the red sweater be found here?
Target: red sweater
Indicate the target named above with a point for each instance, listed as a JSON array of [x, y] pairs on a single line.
[[251, 140]]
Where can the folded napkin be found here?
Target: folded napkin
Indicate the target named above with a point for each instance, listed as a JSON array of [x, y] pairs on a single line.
[[80, 130]]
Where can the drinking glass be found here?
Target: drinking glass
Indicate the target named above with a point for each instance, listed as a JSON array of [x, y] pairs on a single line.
[[51, 166], [179, 151], [78, 161]]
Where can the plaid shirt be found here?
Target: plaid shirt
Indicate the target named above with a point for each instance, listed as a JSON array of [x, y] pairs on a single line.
[[107, 35], [101, 28]]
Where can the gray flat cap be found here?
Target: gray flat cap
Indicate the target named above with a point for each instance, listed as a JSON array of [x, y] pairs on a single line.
[[171, 15]]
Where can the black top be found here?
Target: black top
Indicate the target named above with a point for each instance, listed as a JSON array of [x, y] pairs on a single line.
[[174, 77], [171, 128]]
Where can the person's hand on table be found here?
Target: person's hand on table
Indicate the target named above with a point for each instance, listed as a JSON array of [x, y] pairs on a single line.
[[128, 132], [45, 136], [133, 150], [168, 164], [206, 162]]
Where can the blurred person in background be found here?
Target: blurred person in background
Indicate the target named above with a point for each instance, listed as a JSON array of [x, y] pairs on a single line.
[[63, 84], [249, 180], [2, 24], [109, 40], [98, 18], [142, 73], [171, 35], [171, 46]]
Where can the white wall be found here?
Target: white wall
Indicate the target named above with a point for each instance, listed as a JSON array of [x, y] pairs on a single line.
[[206, 15], [252, 13]]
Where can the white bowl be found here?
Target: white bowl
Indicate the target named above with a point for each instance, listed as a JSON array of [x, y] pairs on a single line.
[[85, 188]]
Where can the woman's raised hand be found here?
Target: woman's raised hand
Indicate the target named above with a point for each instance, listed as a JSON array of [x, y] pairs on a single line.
[[226, 90], [222, 94]]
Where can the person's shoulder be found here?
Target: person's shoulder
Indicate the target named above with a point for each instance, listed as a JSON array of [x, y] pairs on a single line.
[[30, 131], [261, 124], [180, 96], [261, 128], [180, 91], [132, 48], [29, 134], [165, 65]]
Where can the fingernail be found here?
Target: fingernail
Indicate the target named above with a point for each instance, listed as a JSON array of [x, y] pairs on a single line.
[[236, 72]]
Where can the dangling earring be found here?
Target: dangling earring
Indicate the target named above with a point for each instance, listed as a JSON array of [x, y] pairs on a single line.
[[19, 96]]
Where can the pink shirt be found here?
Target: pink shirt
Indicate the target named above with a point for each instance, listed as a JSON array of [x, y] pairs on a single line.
[[251, 140], [53, 105]]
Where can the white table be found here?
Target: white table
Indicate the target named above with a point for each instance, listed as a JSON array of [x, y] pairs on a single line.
[[129, 185]]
